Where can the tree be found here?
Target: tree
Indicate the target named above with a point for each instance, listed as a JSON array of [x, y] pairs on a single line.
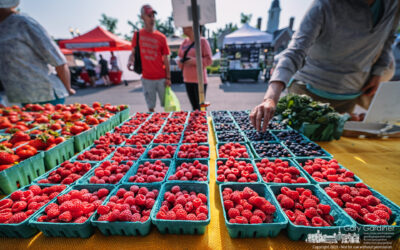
[[166, 27], [220, 33], [110, 23], [245, 18]]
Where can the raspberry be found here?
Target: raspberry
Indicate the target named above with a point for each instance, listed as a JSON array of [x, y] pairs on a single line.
[[181, 214], [310, 212], [331, 193], [268, 208], [338, 201], [5, 216], [5, 203], [170, 215], [81, 219], [228, 204], [247, 214], [324, 208], [125, 215], [309, 203], [175, 189], [17, 218], [36, 190], [19, 206], [362, 201], [140, 199], [255, 219], [65, 216], [241, 220], [202, 209], [317, 222], [202, 197], [294, 195], [102, 192], [364, 192], [286, 202], [17, 195], [290, 215], [247, 193], [372, 200], [191, 217], [361, 185], [233, 213], [301, 220], [385, 208], [354, 206], [53, 213], [372, 219], [201, 216], [189, 207]]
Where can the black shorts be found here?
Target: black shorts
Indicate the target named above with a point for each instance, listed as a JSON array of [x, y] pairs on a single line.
[[91, 73], [104, 73]]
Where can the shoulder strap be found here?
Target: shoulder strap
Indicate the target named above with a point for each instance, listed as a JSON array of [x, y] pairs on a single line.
[[187, 50], [137, 39]]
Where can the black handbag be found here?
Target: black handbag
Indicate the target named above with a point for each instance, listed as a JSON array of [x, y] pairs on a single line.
[[137, 66]]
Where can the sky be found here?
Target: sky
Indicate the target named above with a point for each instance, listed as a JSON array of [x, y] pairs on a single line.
[[58, 16]]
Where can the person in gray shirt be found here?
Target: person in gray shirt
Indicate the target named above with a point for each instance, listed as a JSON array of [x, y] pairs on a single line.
[[337, 55], [26, 52]]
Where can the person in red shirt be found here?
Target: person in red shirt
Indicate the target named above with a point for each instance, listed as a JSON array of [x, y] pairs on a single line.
[[154, 53]]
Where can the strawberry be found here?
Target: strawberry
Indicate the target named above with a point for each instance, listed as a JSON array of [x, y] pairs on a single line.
[[5, 123], [76, 129], [91, 120], [42, 119], [19, 136], [5, 166], [76, 117], [26, 151], [96, 105], [55, 126], [59, 140], [6, 157], [40, 142]]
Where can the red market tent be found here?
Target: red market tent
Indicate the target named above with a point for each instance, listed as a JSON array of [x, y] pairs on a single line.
[[96, 40], [66, 51]]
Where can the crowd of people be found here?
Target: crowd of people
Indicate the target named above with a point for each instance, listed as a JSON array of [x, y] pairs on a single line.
[[326, 58]]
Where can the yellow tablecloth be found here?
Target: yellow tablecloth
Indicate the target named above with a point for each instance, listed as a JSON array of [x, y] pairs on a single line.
[[375, 161]]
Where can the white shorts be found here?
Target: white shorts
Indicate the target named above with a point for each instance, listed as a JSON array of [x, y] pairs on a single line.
[[150, 90]]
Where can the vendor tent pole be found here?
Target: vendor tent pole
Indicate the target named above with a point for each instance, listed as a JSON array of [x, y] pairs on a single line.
[[199, 61]]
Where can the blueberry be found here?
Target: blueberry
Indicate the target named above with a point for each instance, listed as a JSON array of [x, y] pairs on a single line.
[[272, 150], [253, 135], [230, 136], [219, 127]]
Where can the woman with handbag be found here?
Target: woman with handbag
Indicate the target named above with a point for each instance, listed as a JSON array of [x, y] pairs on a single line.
[[187, 63]]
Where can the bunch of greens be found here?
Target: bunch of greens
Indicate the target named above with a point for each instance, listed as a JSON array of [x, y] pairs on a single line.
[[318, 121]]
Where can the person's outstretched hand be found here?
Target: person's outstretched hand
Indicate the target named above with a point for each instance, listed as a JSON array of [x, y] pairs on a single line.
[[372, 86], [263, 113]]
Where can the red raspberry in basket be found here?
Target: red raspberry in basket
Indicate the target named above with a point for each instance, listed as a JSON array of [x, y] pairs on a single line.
[[161, 152], [354, 206], [193, 171], [110, 172], [235, 171], [67, 173], [140, 139], [17, 218], [322, 171], [301, 220], [362, 201], [195, 137], [150, 172], [372, 219], [98, 153], [5, 216], [149, 128], [317, 221], [111, 139], [235, 150], [173, 128], [286, 202], [19, 206], [128, 153], [193, 150], [279, 171], [168, 138]]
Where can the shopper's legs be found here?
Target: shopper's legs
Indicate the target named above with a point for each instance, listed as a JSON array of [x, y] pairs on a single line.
[[149, 91], [161, 91], [191, 92]]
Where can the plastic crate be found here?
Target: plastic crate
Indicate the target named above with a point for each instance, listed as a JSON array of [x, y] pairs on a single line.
[[179, 162], [296, 232], [21, 174], [181, 226], [59, 154], [135, 167], [84, 139], [291, 163], [23, 229], [70, 230], [246, 160], [272, 229], [394, 221], [199, 144], [125, 228], [249, 152], [124, 115], [313, 181]]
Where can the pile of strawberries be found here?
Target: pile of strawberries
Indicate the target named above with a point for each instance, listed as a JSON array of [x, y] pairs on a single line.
[[247, 207], [128, 153], [231, 149], [74, 207], [232, 170], [190, 171], [161, 152], [110, 172], [150, 172], [98, 153], [303, 208], [359, 202], [140, 138], [193, 150], [134, 205], [22, 204], [67, 173], [322, 171], [194, 137], [173, 128], [183, 205], [279, 171], [111, 139], [168, 138]]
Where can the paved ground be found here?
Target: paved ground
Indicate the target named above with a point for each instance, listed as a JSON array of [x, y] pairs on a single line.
[[228, 96]]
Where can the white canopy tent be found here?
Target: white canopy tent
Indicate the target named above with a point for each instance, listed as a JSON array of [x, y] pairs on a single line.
[[247, 34]]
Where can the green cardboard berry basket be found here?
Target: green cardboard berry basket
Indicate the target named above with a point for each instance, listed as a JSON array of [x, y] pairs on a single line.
[[21, 174], [69, 230], [249, 152], [241, 159], [124, 114], [133, 170], [301, 160], [59, 154], [261, 230], [291, 164], [106, 126], [179, 162], [394, 222], [295, 232], [22, 229], [181, 226], [125, 228], [153, 145], [199, 144], [84, 139]]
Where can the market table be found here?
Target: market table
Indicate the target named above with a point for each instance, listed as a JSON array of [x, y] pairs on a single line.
[[375, 161]]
